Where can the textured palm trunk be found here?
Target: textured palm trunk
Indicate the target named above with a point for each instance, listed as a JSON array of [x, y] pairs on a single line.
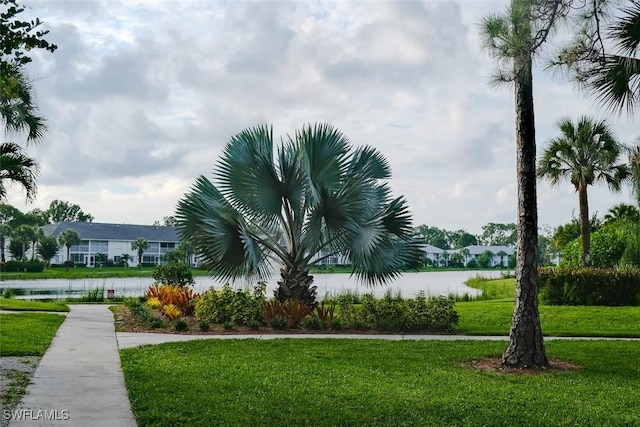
[[2, 243], [585, 226], [526, 347], [296, 283]]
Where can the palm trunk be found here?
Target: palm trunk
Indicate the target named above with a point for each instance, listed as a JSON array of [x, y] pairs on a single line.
[[585, 226], [526, 347], [66, 263], [296, 283], [2, 243]]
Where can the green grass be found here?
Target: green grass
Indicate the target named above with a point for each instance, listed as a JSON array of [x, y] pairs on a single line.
[[27, 334], [494, 318], [374, 382], [88, 273], [493, 288], [26, 305], [17, 383]]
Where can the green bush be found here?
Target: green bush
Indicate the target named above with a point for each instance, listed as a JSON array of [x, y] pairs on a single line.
[[607, 248], [34, 266], [174, 273], [227, 305], [392, 313], [13, 266], [589, 286], [180, 325]]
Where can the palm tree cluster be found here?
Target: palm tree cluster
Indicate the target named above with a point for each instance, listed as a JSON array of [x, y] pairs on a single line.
[[312, 198]]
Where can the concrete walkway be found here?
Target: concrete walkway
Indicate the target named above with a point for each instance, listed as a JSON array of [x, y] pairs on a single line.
[[79, 381], [134, 339]]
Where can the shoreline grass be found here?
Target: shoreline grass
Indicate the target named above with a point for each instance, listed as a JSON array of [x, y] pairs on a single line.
[[375, 382], [30, 305]]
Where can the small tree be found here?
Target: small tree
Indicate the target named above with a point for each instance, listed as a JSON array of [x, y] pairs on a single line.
[[140, 244], [125, 258], [100, 259], [25, 234], [485, 260], [174, 273], [48, 247], [68, 238]]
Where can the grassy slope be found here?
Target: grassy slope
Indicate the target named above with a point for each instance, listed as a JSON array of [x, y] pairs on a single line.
[[494, 318], [27, 334], [371, 382], [26, 305]]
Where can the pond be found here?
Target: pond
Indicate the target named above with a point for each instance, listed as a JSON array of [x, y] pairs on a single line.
[[409, 284]]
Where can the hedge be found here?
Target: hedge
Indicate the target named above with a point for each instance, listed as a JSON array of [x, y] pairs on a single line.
[[589, 286], [14, 266]]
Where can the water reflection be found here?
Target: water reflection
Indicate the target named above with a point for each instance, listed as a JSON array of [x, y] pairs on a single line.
[[409, 284]]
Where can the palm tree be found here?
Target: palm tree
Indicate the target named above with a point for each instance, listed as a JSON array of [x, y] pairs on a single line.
[[317, 198], [501, 254], [17, 167], [585, 154], [465, 253], [125, 258], [5, 231], [622, 212], [36, 235], [18, 110], [68, 238], [609, 71], [24, 234], [140, 244], [513, 38]]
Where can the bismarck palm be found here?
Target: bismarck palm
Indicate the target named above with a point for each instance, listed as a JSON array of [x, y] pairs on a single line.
[[313, 198]]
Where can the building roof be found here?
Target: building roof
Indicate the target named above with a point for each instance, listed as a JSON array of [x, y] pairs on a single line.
[[430, 249], [102, 231]]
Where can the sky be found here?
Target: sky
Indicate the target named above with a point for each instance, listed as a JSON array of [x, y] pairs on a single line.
[[142, 95]]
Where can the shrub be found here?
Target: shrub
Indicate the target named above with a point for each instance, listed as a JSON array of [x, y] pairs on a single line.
[[13, 266], [9, 293], [180, 325], [204, 326], [254, 325], [93, 295], [313, 323], [325, 314], [182, 298], [607, 247], [228, 325], [171, 311], [34, 266], [227, 305], [589, 286], [154, 303], [143, 313], [174, 273], [279, 322]]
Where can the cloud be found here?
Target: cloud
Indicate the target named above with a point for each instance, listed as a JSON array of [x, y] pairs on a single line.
[[142, 96]]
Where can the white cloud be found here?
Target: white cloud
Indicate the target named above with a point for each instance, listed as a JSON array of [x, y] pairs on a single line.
[[141, 97]]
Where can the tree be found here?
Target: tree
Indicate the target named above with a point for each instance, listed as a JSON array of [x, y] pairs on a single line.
[[5, 231], [140, 244], [48, 247], [585, 154], [602, 57], [634, 166], [125, 258], [497, 234], [17, 167], [24, 234], [465, 239], [169, 221], [485, 259], [100, 259], [20, 37], [316, 199], [36, 235], [432, 236], [502, 254], [17, 249], [622, 212], [466, 254], [68, 238], [60, 211], [513, 38], [187, 249]]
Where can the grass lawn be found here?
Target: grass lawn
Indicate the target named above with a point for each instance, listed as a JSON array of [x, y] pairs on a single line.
[[87, 273], [375, 382], [27, 334], [493, 288], [26, 305], [494, 318]]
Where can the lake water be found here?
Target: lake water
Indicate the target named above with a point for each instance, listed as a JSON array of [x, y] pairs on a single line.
[[409, 284]]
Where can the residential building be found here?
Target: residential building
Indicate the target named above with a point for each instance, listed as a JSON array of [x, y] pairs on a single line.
[[114, 240]]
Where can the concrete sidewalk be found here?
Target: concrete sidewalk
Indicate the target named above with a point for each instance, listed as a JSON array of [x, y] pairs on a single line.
[[134, 339], [79, 381]]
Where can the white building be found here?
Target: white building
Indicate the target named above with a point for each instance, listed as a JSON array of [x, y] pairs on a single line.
[[501, 254], [114, 240]]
